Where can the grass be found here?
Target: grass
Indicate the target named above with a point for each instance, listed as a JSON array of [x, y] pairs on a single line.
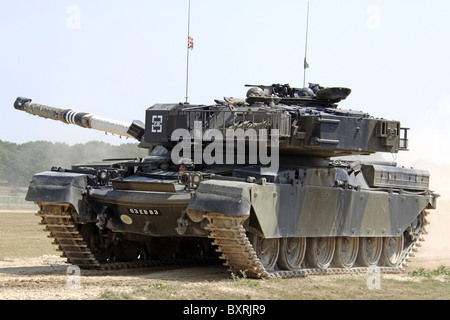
[[139, 292], [310, 288], [442, 270], [21, 236]]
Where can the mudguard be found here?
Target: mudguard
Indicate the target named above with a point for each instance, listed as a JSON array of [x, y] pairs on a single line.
[[59, 187]]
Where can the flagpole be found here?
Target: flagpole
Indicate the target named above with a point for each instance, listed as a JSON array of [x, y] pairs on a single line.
[[305, 64], [187, 62]]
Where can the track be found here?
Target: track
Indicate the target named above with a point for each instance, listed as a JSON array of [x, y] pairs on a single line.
[[228, 234], [231, 239]]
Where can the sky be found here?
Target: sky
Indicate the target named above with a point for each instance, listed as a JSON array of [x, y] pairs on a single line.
[[116, 58]]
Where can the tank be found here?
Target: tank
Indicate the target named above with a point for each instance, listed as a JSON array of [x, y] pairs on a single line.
[[263, 184]]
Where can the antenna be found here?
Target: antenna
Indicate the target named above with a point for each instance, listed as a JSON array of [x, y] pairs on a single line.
[[305, 63], [190, 46]]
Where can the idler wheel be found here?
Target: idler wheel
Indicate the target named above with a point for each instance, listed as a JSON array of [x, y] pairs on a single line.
[[392, 253], [320, 252], [346, 252], [292, 253], [370, 251], [416, 227], [267, 250]]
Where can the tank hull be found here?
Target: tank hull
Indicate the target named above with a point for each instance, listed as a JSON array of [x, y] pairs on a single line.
[[335, 202]]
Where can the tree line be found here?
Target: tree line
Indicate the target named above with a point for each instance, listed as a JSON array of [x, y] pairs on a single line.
[[19, 162]]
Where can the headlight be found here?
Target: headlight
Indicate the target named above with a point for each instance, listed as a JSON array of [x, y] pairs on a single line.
[[190, 179], [103, 175]]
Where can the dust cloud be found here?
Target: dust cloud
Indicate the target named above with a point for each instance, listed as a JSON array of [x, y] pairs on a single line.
[[435, 250]]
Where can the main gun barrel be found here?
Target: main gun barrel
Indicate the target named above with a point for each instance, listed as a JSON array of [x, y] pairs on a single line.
[[135, 130]]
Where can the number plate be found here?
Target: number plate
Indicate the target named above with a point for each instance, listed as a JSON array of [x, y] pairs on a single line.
[[144, 212]]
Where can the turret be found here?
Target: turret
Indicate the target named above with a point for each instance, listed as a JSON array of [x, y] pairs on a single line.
[[307, 122], [134, 130]]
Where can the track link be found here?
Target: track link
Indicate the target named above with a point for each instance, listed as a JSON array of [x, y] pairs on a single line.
[[58, 220], [230, 236]]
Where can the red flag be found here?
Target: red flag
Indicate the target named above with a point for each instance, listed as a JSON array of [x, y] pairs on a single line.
[[190, 43]]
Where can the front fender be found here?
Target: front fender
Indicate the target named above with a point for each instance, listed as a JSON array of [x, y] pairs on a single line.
[[59, 187]]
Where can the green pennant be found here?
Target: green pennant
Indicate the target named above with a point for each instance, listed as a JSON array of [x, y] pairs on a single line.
[[305, 64]]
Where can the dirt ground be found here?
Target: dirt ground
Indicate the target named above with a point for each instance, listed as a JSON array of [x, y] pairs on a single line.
[[47, 277]]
